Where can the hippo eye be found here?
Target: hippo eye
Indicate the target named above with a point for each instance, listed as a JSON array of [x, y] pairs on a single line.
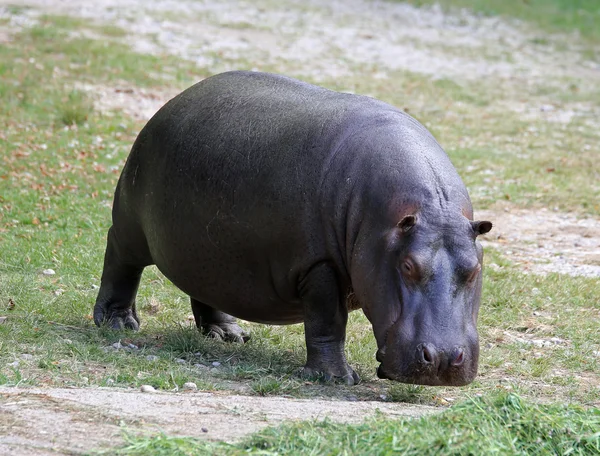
[[409, 269]]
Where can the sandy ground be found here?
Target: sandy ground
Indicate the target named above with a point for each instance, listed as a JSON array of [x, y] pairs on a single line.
[[319, 40], [72, 421]]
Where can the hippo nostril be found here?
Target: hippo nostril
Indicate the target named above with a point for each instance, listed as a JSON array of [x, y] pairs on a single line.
[[458, 357], [428, 354]]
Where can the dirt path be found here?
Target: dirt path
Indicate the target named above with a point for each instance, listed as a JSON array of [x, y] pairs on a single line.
[[72, 421]]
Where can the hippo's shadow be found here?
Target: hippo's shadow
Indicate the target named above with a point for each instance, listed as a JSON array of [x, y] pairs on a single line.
[[268, 364], [263, 354]]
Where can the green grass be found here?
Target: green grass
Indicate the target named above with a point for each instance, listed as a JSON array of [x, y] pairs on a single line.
[[567, 16], [497, 424]]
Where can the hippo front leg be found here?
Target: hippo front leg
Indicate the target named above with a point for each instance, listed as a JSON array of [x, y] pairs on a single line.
[[325, 318]]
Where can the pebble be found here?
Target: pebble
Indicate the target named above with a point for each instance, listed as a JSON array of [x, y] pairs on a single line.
[[147, 389], [48, 272], [117, 345], [68, 341], [204, 429], [133, 346], [85, 379], [190, 386], [2, 319], [14, 364], [110, 381], [216, 363], [200, 366], [180, 361], [26, 356], [152, 358]]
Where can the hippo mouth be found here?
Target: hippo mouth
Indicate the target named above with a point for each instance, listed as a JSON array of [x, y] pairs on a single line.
[[427, 380]]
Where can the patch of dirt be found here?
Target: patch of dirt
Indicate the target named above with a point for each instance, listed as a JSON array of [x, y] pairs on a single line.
[[543, 241], [331, 39], [77, 420], [135, 102]]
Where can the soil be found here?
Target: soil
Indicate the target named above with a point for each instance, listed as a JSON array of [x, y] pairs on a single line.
[[318, 40], [74, 421]]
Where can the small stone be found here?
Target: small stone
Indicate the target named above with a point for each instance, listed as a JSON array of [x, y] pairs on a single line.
[[26, 356], [58, 291], [200, 366], [117, 345], [152, 358], [204, 429], [147, 389], [216, 363], [110, 381], [49, 272], [190, 386], [95, 287], [383, 397], [133, 346], [180, 361], [14, 364], [3, 319], [68, 341]]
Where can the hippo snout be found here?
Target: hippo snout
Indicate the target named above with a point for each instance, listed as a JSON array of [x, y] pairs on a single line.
[[430, 364]]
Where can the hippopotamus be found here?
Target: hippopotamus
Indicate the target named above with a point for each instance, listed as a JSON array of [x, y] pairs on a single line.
[[272, 200]]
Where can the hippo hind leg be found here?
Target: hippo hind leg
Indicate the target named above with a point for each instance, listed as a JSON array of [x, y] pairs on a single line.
[[115, 304], [216, 324]]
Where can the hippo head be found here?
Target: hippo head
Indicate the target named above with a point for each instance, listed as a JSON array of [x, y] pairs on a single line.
[[419, 283]]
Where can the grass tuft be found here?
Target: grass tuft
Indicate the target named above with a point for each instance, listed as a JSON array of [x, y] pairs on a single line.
[[76, 109]]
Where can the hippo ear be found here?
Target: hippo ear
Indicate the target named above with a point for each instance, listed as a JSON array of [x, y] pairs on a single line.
[[481, 227], [407, 223]]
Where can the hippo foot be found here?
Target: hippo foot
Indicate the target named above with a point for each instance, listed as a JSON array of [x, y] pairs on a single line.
[[344, 374], [229, 332], [122, 319]]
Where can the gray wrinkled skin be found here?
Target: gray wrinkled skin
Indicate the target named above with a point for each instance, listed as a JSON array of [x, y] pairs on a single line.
[[272, 200]]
